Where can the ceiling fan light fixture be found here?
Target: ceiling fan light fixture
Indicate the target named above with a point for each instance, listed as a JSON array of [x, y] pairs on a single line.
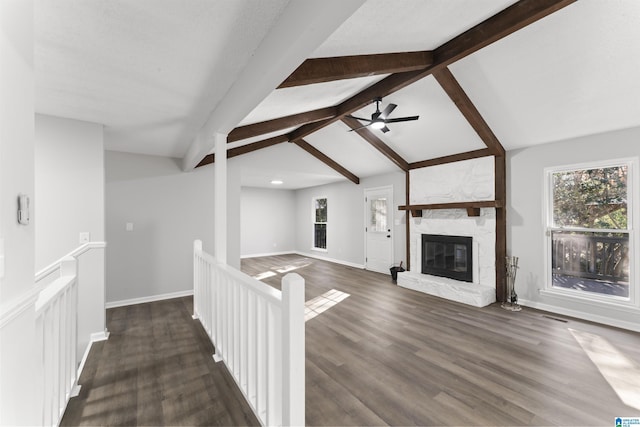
[[377, 124]]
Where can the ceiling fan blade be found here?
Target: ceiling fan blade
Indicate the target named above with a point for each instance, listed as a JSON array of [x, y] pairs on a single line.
[[358, 118], [387, 111], [402, 119], [385, 129], [364, 126]]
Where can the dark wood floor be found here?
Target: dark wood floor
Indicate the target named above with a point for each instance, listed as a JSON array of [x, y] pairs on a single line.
[[388, 355], [382, 356], [156, 369]]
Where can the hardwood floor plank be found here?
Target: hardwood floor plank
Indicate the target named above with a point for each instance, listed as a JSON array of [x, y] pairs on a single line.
[[382, 356], [156, 369], [414, 359]]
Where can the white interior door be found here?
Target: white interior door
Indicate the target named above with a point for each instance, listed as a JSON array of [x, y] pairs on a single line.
[[379, 229]]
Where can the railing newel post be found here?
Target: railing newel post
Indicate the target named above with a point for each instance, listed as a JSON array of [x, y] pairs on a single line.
[[293, 351]]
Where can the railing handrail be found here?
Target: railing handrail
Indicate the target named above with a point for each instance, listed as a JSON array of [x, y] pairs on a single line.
[[269, 293], [74, 253], [258, 333], [592, 263], [51, 291]]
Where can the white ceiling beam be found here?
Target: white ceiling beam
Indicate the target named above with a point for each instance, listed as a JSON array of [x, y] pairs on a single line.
[[300, 30]]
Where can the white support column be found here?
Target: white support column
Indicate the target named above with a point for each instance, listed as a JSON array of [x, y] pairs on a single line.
[[220, 198], [293, 351]]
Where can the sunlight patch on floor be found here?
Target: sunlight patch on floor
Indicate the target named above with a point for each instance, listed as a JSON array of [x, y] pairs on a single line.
[[622, 374], [322, 303], [264, 275], [291, 267]]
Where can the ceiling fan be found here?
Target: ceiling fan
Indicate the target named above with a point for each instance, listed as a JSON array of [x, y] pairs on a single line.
[[379, 119]]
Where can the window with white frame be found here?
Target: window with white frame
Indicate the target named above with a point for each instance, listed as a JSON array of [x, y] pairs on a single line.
[[320, 223], [589, 230]]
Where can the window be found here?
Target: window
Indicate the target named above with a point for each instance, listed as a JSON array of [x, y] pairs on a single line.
[[589, 230], [320, 223], [378, 212]]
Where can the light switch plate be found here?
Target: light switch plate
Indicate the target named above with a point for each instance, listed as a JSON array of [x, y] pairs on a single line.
[[85, 237], [129, 226]]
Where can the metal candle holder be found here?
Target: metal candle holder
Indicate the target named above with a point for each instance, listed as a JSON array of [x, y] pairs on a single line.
[[512, 298]]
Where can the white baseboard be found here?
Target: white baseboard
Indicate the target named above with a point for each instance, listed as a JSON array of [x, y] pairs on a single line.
[[99, 336], [632, 326], [266, 254], [324, 258], [94, 337], [152, 298]]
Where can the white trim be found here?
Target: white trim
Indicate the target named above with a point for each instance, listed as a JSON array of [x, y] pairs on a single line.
[[266, 254], [632, 326], [74, 253], [99, 336], [633, 225], [389, 190], [336, 261], [15, 307], [153, 298], [94, 337], [313, 224]]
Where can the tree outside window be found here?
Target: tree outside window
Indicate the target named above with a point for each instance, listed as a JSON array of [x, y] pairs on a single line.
[[320, 223], [589, 230]]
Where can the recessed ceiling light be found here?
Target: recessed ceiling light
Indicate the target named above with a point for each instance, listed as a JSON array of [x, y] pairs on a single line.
[[277, 182]]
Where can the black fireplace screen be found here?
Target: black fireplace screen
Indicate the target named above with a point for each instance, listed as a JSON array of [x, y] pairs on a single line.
[[447, 256]]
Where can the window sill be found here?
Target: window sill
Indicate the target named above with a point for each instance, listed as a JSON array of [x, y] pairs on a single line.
[[319, 250], [595, 301]]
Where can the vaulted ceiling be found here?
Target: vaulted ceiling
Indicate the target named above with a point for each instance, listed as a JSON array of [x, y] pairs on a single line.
[[164, 75]]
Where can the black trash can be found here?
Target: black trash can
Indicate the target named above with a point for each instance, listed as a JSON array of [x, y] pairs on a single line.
[[395, 270]]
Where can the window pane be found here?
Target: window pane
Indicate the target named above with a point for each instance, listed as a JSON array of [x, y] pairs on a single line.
[[321, 210], [591, 262], [591, 198], [378, 216], [320, 236]]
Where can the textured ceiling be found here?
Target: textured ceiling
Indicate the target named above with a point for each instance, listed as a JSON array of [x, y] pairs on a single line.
[[149, 70], [152, 71]]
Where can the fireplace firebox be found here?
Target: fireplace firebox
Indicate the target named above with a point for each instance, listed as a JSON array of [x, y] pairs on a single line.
[[448, 256]]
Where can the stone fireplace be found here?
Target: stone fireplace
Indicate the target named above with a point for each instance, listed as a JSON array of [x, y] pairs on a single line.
[[470, 180]]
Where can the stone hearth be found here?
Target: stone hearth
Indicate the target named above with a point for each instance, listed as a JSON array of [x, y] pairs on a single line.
[[455, 290]]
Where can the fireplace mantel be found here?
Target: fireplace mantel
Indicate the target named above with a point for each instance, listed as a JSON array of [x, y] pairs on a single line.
[[473, 208]]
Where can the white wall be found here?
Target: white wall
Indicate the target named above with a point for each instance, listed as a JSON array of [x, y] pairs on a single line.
[[69, 189], [169, 209], [267, 221], [345, 230], [69, 181], [525, 219], [19, 395]]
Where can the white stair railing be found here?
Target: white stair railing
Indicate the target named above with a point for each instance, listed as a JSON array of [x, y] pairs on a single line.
[[57, 335], [258, 332], [59, 319]]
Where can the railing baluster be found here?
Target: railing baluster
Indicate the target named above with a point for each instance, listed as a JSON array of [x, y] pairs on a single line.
[[245, 320]]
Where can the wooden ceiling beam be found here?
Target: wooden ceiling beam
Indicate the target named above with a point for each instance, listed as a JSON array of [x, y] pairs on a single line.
[[274, 125], [451, 159], [504, 23], [244, 149], [376, 142], [327, 160], [508, 21], [320, 70], [468, 110]]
